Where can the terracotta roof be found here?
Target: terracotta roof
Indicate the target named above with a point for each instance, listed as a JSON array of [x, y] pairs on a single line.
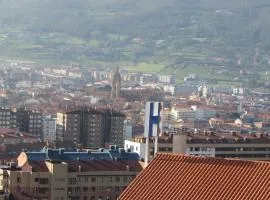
[[175, 176], [104, 165], [86, 166]]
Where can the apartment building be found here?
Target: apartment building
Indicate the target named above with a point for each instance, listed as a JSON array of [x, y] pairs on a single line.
[[225, 145], [82, 126], [184, 113], [70, 180], [29, 121], [8, 118], [114, 127], [61, 174], [49, 129], [211, 144], [90, 127]]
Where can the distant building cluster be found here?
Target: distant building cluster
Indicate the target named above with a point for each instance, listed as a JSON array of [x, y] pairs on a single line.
[[69, 132]]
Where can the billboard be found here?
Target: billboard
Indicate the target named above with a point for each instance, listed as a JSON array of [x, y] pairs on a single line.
[[153, 119]]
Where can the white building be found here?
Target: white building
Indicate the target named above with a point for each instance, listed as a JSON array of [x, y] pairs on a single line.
[[49, 129], [169, 89], [203, 113], [136, 146], [166, 79], [24, 84], [182, 113]]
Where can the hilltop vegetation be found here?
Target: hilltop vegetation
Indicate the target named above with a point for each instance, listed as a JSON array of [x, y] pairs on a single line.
[[177, 32]]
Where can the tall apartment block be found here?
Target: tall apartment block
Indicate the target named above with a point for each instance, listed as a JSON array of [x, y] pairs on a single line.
[[113, 127], [29, 121], [49, 129], [82, 126], [90, 127], [8, 118]]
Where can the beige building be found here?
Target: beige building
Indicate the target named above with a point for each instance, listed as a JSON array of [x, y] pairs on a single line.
[[70, 180]]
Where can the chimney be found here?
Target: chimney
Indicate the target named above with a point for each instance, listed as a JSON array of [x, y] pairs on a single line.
[[128, 168], [79, 168]]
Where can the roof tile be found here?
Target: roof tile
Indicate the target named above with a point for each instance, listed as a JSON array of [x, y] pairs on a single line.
[[174, 176]]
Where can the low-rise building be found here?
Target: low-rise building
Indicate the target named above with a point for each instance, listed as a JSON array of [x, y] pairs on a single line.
[[207, 143], [12, 136], [224, 145], [60, 174]]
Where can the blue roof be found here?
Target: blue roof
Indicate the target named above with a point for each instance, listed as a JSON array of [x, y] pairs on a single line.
[[64, 155]]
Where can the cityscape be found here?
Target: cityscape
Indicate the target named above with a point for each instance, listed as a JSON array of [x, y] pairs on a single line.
[[131, 110]]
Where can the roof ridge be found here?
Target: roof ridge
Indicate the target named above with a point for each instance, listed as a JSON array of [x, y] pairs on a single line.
[[212, 158]]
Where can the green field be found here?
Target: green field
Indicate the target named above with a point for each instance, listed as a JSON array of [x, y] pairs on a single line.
[[147, 68]]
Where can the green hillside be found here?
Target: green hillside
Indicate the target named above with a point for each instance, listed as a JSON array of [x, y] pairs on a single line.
[[180, 33]]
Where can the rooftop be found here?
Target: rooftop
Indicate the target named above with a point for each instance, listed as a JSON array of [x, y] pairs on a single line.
[[175, 176], [62, 154]]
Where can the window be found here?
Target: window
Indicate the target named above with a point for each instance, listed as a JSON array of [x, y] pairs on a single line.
[[18, 179], [93, 189], [117, 189], [125, 179], [77, 189], [43, 190], [196, 149], [117, 179], [109, 179], [92, 198], [72, 180], [85, 198], [85, 189], [44, 181], [93, 179], [101, 179]]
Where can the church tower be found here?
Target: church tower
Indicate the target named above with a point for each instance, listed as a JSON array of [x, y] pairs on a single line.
[[116, 84]]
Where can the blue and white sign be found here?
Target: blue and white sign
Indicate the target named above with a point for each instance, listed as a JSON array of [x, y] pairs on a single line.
[[153, 116]]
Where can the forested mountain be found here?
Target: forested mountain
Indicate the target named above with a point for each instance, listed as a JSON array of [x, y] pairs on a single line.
[[168, 31]]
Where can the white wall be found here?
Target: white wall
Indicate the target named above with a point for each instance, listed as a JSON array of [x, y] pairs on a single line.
[[136, 147]]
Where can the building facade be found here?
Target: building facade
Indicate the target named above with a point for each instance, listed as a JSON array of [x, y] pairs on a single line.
[[87, 180], [8, 118], [29, 121], [68, 175], [49, 129], [209, 144], [90, 127]]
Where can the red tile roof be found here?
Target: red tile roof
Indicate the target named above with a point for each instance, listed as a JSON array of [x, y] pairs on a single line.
[[174, 176], [103, 165], [86, 166]]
